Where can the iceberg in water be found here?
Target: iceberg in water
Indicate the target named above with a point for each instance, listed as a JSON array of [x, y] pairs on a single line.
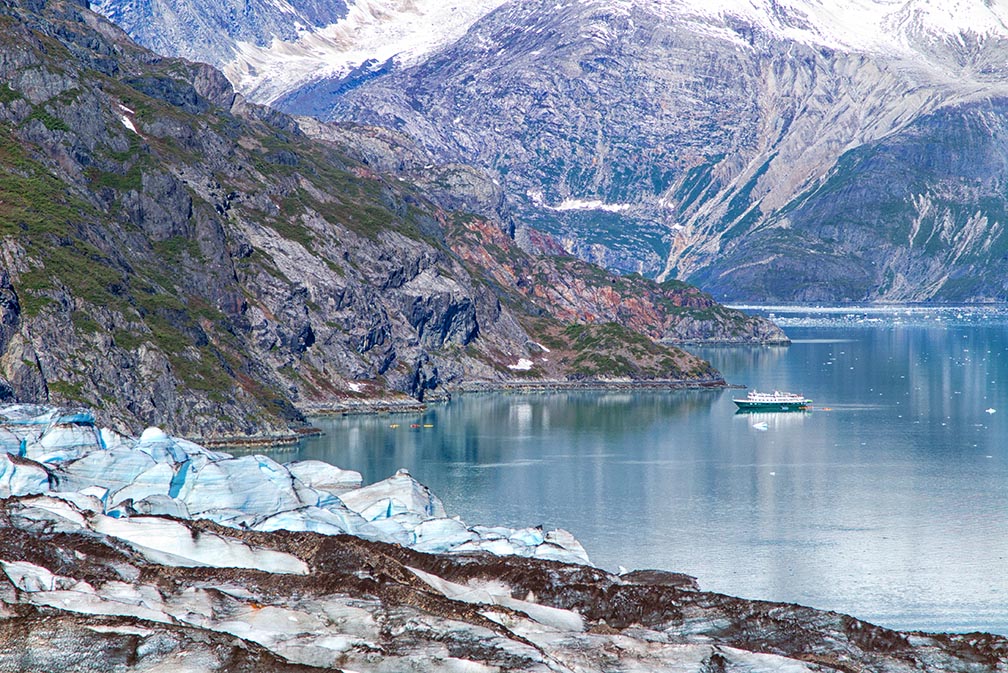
[[139, 482]]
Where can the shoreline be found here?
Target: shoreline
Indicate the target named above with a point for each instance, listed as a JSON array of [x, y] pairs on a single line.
[[384, 405], [551, 385]]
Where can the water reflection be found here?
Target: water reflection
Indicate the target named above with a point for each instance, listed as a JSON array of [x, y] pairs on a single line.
[[888, 501], [765, 421]]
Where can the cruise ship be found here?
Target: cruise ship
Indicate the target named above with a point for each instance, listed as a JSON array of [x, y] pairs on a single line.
[[775, 401]]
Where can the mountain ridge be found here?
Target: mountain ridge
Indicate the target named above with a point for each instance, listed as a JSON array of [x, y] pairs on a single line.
[[726, 140]]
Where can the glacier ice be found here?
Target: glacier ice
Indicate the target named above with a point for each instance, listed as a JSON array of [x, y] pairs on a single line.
[[173, 543], [134, 489], [154, 481], [256, 485], [399, 494], [325, 477], [21, 477], [441, 535], [110, 469]]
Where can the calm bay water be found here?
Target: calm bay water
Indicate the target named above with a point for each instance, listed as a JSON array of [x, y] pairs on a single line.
[[889, 501]]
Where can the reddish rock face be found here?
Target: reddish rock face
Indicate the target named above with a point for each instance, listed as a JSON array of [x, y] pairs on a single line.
[[572, 290]]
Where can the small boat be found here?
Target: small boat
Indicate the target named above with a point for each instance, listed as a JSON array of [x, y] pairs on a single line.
[[775, 401]]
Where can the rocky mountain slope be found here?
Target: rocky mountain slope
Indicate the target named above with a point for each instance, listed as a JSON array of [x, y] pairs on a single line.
[[791, 150], [174, 255]]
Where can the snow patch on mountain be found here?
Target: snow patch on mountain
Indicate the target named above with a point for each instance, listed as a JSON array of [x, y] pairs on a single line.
[[889, 26], [374, 31]]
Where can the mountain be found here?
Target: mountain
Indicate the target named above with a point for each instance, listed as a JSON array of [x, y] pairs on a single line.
[[787, 150], [766, 151], [174, 255]]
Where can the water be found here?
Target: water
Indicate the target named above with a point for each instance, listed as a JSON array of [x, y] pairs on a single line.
[[889, 501]]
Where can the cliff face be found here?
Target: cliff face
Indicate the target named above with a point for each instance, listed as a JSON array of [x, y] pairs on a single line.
[[174, 255]]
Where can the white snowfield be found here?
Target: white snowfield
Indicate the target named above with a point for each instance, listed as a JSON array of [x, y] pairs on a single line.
[[133, 488], [888, 26], [372, 31], [406, 31]]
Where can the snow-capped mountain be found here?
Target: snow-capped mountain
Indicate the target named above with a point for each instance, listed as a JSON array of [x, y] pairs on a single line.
[[268, 48], [729, 143], [373, 32], [788, 149]]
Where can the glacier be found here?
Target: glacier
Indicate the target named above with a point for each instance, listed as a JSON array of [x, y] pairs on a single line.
[[133, 488]]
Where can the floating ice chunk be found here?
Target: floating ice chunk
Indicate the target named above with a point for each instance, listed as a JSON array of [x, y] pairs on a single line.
[[172, 543], [111, 469], [441, 535], [991, 410], [19, 476], [155, 481], [398, 494], [762, 426], [255, 485], [325, 477]]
